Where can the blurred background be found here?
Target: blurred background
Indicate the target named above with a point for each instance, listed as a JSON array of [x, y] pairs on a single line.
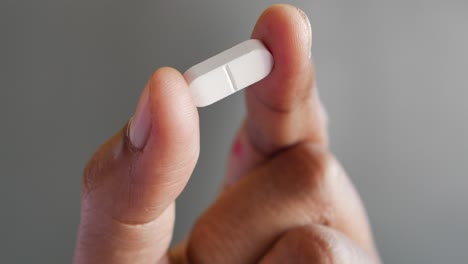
[[392, 75]]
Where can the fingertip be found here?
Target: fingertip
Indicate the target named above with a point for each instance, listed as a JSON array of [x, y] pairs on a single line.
[[172, 106], [287, 33], [166, 75], [165, 89], [168, 84], [175, 128]]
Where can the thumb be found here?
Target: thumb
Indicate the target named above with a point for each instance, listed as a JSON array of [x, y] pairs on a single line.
[[130, 184]]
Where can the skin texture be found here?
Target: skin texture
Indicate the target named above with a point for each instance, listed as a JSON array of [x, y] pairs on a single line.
[[286, 199]]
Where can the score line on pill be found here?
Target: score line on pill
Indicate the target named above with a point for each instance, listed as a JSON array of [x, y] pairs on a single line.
[[228, 72]]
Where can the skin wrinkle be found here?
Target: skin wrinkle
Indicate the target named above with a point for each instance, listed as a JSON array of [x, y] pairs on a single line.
[[132, 196], [135, 242], [132, 241], [137, 225], [299, 243], [301, 95], [101, 162], [278, 108], [192, 250], [301, 186], [132, 192], [318, 180], [148, 209], [340, 248], [324, 248], [256, 146], [314, 192], [305, 100], [93, 175], [177, 167]]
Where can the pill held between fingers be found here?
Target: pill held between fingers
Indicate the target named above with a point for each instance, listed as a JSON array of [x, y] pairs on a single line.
[[228, 72]]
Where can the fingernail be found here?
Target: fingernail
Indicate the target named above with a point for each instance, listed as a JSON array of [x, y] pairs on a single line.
[[308, 28], [140, 124]]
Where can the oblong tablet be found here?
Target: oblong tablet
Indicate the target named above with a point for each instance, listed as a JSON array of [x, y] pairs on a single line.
[[228, 72]]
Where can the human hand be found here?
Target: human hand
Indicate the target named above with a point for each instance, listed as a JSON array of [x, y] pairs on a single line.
[[286, 198]]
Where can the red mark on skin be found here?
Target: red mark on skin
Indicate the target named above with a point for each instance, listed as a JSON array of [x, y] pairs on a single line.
[[237, 148]]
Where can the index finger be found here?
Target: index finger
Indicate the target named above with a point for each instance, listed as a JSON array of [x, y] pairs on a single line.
[[284, 108]]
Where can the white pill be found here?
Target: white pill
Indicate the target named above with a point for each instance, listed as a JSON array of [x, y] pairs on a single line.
[[229, 72]]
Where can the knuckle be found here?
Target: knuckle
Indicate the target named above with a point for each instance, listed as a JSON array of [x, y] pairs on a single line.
[[320, 244], [307, 165], [307, 172], [308, 244], [216, 237], [202, 243]]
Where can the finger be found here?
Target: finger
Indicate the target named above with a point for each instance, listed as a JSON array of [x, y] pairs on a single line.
[[130, 184], [316, 244], [284, 108], [300, 186]]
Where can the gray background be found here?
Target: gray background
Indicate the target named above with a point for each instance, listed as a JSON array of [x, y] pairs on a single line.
[[391, 73]]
